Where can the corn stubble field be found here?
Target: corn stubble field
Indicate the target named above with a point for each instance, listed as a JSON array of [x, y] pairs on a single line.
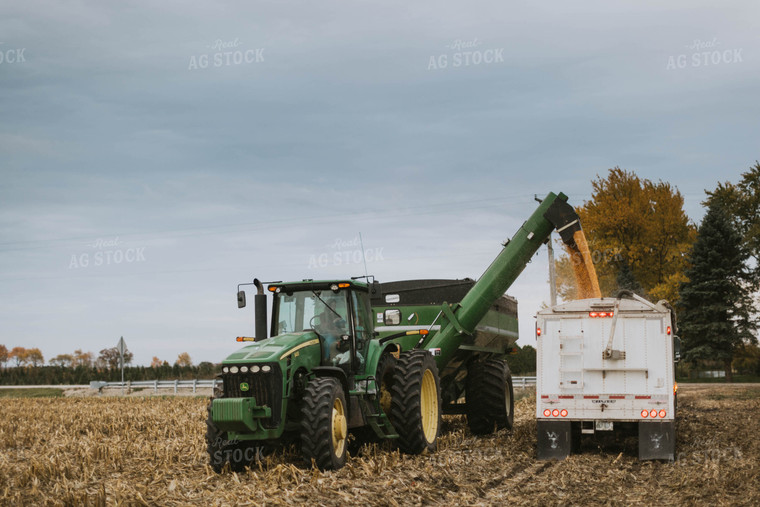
[[111, 450]]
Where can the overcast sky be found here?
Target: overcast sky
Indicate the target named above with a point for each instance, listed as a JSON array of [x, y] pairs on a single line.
[[153, 155]]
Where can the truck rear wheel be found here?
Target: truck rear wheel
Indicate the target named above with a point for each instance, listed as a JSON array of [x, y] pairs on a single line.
[[416, 402], [490, 396], [324, 424]]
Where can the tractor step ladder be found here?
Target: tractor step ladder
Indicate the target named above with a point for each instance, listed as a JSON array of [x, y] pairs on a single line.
[[379, 420]]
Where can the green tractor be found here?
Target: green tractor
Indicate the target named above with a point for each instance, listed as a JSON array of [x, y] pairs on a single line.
[[356, 360]]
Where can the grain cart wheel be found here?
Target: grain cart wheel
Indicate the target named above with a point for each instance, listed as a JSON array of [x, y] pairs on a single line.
[[490, 397], [223, 450], [416, 402], [324, 424]]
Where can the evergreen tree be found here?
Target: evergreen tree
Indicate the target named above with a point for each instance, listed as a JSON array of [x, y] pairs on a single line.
[[626, 280], [742, 202], [523, 362], [716, 301]]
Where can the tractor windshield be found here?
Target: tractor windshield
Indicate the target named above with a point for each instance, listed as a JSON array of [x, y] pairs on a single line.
[[325, 312]]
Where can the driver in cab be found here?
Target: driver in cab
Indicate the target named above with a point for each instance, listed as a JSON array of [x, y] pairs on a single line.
[[331, 324]]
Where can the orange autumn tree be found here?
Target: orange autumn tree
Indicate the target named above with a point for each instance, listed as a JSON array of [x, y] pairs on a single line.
[[184, 360], [638, 234]]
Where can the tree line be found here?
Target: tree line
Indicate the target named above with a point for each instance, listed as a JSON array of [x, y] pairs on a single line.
[[108, 358], [642, 240], [80, 367], [54, 375]]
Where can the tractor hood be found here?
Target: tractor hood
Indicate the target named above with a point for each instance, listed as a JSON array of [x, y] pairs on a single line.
[[276, 348]]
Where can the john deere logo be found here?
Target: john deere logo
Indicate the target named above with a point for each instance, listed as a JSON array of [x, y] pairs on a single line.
[[244, 386]]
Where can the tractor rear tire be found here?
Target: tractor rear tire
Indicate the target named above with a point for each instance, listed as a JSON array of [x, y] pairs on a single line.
[[416, 402], [324, 424], [490, 396]]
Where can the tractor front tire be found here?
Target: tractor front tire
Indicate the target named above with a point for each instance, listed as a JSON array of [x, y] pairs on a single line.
[[324, 424], [416, 402], [490, 396]]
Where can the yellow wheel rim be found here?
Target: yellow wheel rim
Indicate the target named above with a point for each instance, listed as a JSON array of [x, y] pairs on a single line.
[[339, 427], [429, 406]]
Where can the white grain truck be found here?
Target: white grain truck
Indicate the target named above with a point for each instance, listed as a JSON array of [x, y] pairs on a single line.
[[606, 364]]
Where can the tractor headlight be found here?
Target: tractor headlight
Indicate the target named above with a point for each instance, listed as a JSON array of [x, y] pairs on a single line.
[[243, 369], [266, 368], [226, 369], [255, 369], [234, 369]]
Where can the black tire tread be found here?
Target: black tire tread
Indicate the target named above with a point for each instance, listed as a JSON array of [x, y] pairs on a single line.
[[406, 415], [487, 382], [316, 423]]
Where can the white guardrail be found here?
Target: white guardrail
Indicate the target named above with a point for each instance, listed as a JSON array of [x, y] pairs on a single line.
[[521, 382], [159, 384]]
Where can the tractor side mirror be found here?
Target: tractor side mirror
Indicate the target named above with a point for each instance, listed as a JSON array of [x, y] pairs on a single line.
[[676, 349], [241, 299]]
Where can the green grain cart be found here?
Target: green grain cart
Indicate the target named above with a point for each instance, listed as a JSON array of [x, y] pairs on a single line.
[[376, 360]]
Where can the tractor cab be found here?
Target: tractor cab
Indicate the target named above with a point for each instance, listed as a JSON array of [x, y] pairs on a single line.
[[338, 312]]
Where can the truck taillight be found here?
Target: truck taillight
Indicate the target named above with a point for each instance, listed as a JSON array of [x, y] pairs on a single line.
[[600, 314], [563, 413], [538, 331], [662, 414], [555, 412], [547, 413], [653, 413], [645, 413], [668, 330]]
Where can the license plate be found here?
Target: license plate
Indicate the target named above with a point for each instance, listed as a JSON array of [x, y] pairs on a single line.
[[603, 426]]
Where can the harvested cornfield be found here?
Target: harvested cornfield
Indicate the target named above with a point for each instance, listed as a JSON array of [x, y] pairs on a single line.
[[103, 451]]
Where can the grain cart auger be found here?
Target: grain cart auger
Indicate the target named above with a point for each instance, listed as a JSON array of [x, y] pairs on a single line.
[[354, 360]]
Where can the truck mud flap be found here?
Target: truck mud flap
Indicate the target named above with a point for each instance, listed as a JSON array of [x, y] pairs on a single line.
[[657, 440], [554, 439]]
